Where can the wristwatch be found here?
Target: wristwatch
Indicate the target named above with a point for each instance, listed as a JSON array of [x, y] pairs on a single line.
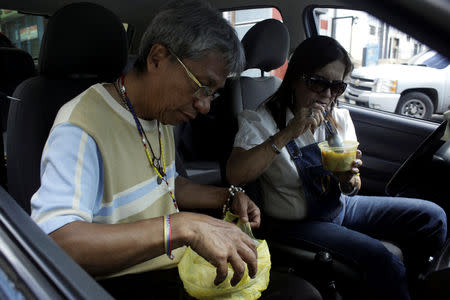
[[274, 147]]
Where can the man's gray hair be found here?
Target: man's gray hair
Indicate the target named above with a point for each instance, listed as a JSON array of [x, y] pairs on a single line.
[[191, 29]]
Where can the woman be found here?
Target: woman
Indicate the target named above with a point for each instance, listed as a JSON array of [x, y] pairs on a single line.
[[305, 202]]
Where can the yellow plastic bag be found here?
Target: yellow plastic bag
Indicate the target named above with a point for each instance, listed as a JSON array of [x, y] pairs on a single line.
[[198, 274]]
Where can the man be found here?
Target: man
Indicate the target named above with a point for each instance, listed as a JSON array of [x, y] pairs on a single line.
[[109, 192]]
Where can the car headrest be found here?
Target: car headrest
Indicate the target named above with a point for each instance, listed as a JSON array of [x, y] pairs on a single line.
[[83, 40], [16, 65], [266, 45]]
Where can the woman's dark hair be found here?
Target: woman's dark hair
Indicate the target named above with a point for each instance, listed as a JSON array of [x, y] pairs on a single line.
[[311, 55]]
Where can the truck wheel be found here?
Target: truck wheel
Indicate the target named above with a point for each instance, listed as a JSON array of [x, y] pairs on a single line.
[[415, 104]]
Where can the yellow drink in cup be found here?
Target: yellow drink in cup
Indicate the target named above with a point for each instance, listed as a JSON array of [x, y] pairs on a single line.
[[338, 159]]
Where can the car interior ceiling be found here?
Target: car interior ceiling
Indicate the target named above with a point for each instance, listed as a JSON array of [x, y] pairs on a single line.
[[16, 65], [139, 12]]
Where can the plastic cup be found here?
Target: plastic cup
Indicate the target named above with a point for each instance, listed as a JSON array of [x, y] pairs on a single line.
[[338, 159]]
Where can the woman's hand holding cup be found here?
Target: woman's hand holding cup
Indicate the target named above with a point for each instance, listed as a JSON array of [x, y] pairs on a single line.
[[349, 179]]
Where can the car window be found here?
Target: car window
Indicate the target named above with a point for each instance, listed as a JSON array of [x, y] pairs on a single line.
[[435, 60], [393, 71], [420, 57], [26, 31], [244, 19]]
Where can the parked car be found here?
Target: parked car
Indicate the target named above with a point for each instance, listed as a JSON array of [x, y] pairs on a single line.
[[418, 88]]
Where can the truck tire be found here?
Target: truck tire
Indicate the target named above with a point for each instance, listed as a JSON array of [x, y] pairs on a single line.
[[415, 104]]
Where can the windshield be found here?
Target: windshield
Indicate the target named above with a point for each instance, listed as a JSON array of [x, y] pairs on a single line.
[[430, 59]]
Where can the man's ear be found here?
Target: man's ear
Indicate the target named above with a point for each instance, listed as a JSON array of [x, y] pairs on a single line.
[[156, 57]]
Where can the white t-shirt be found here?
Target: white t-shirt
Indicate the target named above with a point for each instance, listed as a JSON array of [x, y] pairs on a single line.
[[282, 191]]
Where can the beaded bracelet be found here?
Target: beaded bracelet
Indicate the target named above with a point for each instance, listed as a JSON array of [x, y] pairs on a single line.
[[232, 190], [167, 236]]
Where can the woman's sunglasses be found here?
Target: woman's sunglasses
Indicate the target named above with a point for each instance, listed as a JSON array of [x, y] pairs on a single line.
[[320, 84]]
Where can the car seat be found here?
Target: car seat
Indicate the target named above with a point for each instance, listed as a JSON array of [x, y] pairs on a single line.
[[204, 144], [83, 44], [266, 48], [16, 65]]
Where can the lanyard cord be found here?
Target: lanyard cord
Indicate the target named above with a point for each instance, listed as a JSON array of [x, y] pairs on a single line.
[[160, 170]]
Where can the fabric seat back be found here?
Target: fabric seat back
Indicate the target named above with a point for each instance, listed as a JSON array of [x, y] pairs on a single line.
[[266, 47], [16, 65], [83, 44]]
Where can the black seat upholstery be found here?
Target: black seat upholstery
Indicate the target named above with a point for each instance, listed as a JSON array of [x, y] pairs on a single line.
[[199, 146], [265, 54], [16, 65], [84, 43]]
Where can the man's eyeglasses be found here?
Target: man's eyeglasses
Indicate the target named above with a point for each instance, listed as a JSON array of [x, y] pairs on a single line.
[[203, 91], [320, 84]]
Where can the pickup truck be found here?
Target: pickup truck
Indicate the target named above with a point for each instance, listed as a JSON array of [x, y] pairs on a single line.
[[418, 88]]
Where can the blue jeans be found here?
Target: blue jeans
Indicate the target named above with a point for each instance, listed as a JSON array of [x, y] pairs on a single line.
[[417, 226]]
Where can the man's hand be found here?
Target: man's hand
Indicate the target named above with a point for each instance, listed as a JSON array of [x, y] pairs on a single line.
[[220, 243], [247, 210]]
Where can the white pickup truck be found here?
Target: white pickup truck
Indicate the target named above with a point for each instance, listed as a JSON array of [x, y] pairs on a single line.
[[418, 88]]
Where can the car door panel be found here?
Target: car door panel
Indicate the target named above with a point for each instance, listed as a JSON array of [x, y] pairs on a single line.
[[38, 267], [386, 141]]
